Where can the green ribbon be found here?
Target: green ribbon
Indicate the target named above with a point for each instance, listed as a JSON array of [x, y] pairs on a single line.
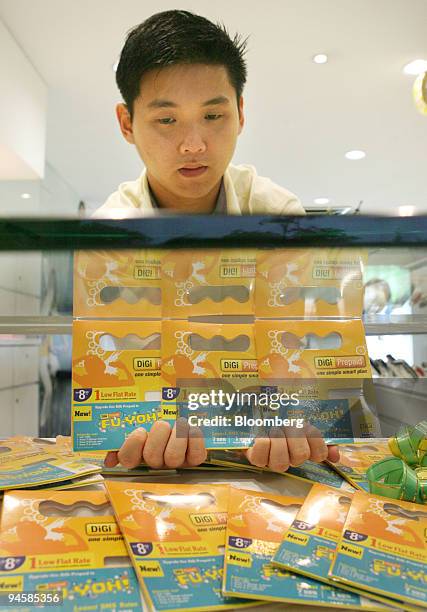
[[422, 480], [391, 477], [403, 476]]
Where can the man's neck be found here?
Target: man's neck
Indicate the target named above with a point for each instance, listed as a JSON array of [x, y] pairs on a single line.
[[174, 203]]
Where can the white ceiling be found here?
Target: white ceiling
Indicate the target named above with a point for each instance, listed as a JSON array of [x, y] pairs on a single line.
[[301, 117]]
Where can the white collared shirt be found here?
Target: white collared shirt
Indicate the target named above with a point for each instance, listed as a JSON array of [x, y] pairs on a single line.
[[246, 193]]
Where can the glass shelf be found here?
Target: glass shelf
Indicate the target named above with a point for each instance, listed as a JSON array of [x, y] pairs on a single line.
[[213, 231]]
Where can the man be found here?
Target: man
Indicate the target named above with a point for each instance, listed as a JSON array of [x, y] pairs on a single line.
[[182, 78]]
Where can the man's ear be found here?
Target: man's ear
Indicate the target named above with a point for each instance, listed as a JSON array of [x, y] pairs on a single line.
[[241, 115], [125, 122]]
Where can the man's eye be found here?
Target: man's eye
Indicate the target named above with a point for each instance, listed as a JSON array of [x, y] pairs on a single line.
[[167, 121], [213, 117]]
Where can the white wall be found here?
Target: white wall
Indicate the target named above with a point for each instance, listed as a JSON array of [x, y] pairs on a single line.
[[50, 197], [23, 103]]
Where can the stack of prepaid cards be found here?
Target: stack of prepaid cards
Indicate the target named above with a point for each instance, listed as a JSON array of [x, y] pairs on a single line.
[[176, 541], [64, 549], [359, 542], [116, 354], [309, 543], [383, 549], [142, 353], [356, 458], [210, 547], [308, 471], [255, 527], [26, 462], [312, 339]]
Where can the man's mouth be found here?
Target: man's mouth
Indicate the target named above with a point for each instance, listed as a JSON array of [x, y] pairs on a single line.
[[192, 171]]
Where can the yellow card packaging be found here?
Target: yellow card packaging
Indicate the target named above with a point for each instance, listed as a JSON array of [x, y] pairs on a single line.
[[323, 366], [176, 542], [116, 381], [24, 464], [110, 284], [66, 548], [312, 349], [383, 548], [356, 458], [309, 544], [208, 282], [256, 523], [309, 283], [208, 374]]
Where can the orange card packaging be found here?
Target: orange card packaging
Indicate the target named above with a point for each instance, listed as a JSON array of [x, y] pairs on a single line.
[[309, 544], [256, 523], [208, 282], [65, 549], [110, 284], [309, 283], [116, 381], [25, 463], [176, 542], [383, 548], [205, 369], [326, 363]]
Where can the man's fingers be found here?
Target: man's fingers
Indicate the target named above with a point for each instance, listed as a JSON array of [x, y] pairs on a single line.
[[196, 450], [176, 448], [333, 454], [258, 453], [130, 454], [111, 459], [318, 448], [298, 447], [279, 456], [155, 446]]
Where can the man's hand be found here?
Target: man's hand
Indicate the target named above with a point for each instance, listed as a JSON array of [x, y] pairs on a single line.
[[285, 448], [161, 447]]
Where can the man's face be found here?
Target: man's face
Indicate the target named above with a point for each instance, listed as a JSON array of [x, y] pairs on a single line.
[[185, 126]]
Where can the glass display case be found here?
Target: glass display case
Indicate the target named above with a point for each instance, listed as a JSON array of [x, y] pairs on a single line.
[[36, 287]]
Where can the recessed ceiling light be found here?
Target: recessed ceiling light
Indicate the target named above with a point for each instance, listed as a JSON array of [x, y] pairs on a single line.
[[355, 155], [320, 58], [115, 65], [416, 67], [25, 196], [321, 201], [406, 211]]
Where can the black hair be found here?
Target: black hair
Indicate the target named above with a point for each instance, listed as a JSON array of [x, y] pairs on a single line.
[[178, 37]]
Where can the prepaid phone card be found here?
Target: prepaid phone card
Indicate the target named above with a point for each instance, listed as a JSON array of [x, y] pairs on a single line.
[[117, 284], [24, 463], [383, 548], [319, 472], [356, 458], [176, 542], [65, 544], [256, 523], [308, 471], [116, 381], [208, 282], [309, 544], [73, 483], [321, 369], [309, 282], [209, 377]]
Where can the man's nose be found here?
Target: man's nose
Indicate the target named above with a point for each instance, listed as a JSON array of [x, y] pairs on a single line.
[[192, 142]]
